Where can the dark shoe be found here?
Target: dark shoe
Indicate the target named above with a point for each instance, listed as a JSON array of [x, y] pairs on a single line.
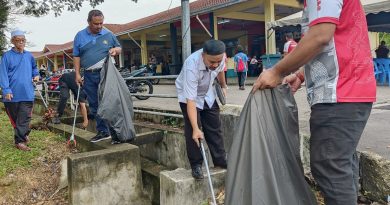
[[197, 173], [100, 136], [22, 147], [56, 120], [222, 166]]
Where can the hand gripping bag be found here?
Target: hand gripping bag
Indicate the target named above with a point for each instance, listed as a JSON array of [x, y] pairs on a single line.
[[115, 103], [264, 166]]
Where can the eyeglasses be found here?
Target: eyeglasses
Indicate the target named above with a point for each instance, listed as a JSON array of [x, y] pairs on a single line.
[[20, 40]]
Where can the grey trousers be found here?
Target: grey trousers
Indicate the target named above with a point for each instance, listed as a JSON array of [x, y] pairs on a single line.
[[336, 129]]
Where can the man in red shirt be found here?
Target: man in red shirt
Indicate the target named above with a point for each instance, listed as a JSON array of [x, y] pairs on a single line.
[[289, 45], [340, 88]]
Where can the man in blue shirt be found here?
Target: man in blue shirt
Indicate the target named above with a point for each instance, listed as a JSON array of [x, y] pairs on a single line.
[[90, 48], [17, 71], [197, 98], [241, 66]]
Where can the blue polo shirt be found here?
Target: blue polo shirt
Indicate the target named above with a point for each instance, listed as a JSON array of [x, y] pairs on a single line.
[[16, 73], [92, 48]]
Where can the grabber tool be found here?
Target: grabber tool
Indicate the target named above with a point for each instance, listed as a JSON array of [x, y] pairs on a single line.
[[72, 140], [208, 172]]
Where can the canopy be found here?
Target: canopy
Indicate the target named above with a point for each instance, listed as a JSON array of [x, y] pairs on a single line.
[[377, 11]]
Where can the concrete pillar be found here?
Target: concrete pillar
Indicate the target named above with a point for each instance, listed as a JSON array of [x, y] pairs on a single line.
[[374, 42], [185, 29], [269, 14], [122, 55], [144, 49], [64, 60], [174, 51], [213, 27], [55, 63]]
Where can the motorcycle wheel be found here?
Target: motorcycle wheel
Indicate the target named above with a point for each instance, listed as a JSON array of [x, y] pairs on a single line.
[[155, 81], [143, 87]]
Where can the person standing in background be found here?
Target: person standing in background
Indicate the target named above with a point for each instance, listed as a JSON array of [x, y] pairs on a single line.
[[241, 66], [289, 45]]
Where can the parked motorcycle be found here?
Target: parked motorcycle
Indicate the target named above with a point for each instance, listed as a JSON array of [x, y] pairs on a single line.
[[137, 86]]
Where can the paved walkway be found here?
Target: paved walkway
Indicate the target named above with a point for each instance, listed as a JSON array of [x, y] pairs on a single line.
[[375, 138]]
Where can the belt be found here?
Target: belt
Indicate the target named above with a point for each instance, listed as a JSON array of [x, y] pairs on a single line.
[[93, 70]]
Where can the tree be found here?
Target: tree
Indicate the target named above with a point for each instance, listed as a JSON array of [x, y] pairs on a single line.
[[3, 20], [37, 8]]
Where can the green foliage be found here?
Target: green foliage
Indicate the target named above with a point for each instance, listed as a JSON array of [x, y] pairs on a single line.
[[171, 121], [41, 7], [37, 8], [12, 158], [4, 10], [385, 37]]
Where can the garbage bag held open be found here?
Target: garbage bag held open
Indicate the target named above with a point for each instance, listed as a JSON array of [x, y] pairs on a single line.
[[115, 103], [264, 166]]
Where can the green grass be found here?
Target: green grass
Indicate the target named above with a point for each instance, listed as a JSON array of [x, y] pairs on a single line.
[[12, 158]]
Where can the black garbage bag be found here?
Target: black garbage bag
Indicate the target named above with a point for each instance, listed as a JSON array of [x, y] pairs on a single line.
[[115, 103], [264, 166]]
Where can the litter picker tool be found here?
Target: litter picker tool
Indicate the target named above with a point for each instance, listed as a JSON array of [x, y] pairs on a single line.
[[72, 139], [208, 172], [40, 94], [49, 112]]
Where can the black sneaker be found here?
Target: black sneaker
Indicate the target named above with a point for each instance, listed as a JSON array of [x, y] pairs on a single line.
[[197, 173], [100, 136]]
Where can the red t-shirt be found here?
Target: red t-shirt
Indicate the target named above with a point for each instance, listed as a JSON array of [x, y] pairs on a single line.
[[343, 71], [289, 46]]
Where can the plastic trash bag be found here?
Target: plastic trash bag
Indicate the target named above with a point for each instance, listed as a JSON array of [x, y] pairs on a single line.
[[264, 166], [115, 103]]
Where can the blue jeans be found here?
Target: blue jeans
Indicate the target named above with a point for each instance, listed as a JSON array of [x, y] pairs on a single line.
[[335, 132], [91, 85]]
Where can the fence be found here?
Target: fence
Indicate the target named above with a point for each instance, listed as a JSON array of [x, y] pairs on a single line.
[[53, 95]]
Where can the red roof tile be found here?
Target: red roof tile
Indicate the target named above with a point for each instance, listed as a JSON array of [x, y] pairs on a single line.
[[171, 15], [55, 48], [36, 53]]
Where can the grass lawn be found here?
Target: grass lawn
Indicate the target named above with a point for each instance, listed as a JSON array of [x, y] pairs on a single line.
[[12, 158]]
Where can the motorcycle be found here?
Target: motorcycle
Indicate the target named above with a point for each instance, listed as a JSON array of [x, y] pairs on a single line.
[[53, 85], [137, 86]]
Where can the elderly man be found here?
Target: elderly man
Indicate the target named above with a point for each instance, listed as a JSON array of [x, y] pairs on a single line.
[[197, 99], [90, 48], [17, 71], [341, 88]]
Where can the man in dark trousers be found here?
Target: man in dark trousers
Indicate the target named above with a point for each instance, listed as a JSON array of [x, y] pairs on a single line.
[[91, 46], [197, 98], [17, 71], [340, 86], [67, 82]]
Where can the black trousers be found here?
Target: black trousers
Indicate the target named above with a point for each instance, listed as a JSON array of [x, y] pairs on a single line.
[[64, 96], [209, 121], [241, 78], [19, 114], [335, 132]]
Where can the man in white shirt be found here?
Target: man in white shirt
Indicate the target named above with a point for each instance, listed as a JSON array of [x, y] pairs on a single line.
[[197, 98]]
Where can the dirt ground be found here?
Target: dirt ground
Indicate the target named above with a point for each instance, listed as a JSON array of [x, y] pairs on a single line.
[[38, 183]]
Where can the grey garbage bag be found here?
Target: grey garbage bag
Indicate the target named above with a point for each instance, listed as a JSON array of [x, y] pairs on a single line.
[[264, 166], [115, 103]]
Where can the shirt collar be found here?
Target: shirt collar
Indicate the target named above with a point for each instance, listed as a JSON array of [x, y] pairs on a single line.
[[89, 32], [202, 66], [13, 49]]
